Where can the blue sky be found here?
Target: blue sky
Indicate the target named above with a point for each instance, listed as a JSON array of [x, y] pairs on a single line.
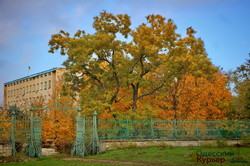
[[27, 25]]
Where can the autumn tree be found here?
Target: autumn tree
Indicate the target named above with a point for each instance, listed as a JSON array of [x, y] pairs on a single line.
[[193, 98], [205, 99], [241, 99], [141, 61], [58, 125], [95, 62], [156, 50], [174, 58]]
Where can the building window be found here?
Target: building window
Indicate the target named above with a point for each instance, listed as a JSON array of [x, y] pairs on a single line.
[[14, 92], [41, 85], [45, 85], [34, 87], [37, 86], [27, 89], [49, 84], [30, 88]]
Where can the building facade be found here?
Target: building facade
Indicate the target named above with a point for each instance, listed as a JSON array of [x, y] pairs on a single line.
[[25, 91]]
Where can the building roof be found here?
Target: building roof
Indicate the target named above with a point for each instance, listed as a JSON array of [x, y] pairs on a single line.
[[31, 76]]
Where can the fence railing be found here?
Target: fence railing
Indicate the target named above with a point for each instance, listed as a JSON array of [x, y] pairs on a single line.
[[20, 133], [14, 132], [156, 129]]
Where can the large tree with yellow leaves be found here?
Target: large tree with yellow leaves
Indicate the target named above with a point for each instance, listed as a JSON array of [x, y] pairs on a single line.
[[118, 60]]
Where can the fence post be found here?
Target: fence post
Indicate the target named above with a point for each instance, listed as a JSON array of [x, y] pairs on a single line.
[[95, 140], [175, 129], [219, 130], [127, 129], [78, 148], [34, 147], [197, 130], [152, 128], [30, 148], [239, 130], [13, 125]]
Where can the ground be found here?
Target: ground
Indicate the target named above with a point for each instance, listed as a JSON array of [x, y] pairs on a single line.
[[159, 156]]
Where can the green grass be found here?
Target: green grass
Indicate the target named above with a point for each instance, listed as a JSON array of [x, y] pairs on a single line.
[[163, 155], [52, 162], [170, 155]]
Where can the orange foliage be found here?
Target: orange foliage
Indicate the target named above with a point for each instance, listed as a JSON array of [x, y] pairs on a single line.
[[197, 98], [58, 125], [205, 100], [5, 126]]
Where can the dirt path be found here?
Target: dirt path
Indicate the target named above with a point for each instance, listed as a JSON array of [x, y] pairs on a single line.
[[104, 161]]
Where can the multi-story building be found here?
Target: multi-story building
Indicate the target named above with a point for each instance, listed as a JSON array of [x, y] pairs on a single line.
[[24, 91]]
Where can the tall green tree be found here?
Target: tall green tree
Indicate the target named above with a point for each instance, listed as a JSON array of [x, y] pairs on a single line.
[[241, 100], [95, 62], [157, 49], [141, 60]]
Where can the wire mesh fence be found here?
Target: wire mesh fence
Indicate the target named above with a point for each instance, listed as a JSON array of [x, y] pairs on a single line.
[[14, 134], [5, 136], [157, 129]]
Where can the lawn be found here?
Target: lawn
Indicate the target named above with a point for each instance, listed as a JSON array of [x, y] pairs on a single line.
[[162, 155], [174, 156]]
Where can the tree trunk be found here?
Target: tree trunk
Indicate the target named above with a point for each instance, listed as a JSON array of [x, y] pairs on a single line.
[[135, 96], [134, 106], [175, 106]]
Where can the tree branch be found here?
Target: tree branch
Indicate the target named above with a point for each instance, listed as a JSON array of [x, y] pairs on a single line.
[[93, 76], [153, 91]]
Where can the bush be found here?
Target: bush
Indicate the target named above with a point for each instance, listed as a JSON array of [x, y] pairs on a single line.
[[245, 142], [164, 145], [221, 143], [208, 145]]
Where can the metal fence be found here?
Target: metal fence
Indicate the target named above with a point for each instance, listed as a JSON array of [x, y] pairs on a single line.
[[156, 129], [14, 134], [20, 133], [24, 132]]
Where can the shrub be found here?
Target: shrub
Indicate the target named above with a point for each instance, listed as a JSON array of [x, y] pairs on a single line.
[[221, 143]]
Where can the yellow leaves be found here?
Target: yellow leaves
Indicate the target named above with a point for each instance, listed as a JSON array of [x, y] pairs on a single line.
[[117, 74], [206, 95], [58, 127], [109, 23], [104, 66], [79, 33], [197, 98]]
